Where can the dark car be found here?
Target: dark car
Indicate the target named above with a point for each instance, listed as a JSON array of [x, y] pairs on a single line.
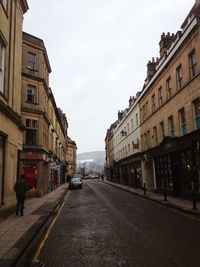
[[75, 182]]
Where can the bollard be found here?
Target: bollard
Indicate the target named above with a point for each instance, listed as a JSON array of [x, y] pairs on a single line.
[[145, 190], [165, 194], [194, 200]]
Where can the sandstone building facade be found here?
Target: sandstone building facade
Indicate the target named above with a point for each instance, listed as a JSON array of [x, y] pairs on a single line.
[[169, 111], [44, 156], [33, 130], [11, 126]]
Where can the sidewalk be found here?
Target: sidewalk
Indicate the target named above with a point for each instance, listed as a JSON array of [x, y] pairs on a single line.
[[177, 203], [16, 232]]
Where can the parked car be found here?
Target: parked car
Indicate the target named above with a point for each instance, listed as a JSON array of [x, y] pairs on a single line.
[[76, 182], [77, 175]]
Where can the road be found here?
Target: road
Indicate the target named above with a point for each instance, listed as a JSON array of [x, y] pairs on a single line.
[[101, 225]]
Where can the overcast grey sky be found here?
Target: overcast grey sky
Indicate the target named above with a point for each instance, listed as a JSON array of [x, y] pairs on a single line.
[[98, 51]]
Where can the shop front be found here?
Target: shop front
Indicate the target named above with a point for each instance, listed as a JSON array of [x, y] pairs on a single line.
[[35, 166], [128, 171], [177, 165], [54, 175]]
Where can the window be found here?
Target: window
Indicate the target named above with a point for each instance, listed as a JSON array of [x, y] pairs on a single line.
[[179, 77], [153, 104], [136, 119], [144, 112], [160, 96], [31, 61], [145, 141], [162, 130], [2, 66], [171, 126], [193, 63], [169, 87], [31, 132], [129, 149], [31, 94], [131, 124], [155, 136], [183, 128], [196, 104], [128, 129]]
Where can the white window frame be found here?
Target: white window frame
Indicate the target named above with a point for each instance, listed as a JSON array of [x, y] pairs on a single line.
[[31, 93]]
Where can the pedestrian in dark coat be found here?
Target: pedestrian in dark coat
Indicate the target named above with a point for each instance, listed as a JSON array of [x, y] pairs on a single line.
[[20, 189]]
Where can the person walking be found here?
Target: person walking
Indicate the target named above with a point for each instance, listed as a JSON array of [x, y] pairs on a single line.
[[20, 190]]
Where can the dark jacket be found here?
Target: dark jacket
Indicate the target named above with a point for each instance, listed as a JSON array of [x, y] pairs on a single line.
[[20, 187]]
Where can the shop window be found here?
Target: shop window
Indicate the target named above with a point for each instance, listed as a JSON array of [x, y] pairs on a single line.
[[186, 166], [31, 61], [183, 127], [171, 126], [169, 87], [31, 94], [30, 172], [193, 63], [31, 132], [179, 77], [2, 65], [196, 104]]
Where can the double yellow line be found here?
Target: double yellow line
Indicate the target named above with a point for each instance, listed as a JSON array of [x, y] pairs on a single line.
[[38, 251]]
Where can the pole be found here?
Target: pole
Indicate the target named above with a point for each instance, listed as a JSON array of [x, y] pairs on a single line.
[[145, 190]]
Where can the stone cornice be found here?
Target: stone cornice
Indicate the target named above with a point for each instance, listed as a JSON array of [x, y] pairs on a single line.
[[13, 116], [36, 111]]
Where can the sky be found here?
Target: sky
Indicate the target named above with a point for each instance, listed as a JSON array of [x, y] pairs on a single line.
[[98, 51]]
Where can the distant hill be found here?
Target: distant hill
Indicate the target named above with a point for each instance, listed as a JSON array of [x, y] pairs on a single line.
[[95, 155], [91, 162]]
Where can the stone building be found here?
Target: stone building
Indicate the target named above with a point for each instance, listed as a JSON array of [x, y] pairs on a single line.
[[11, 126], [71, 157], [169, 116], [44, 144], [123, 162], [170, 112]]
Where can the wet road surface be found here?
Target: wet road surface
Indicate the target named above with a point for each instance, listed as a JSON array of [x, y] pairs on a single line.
[[103, 226]]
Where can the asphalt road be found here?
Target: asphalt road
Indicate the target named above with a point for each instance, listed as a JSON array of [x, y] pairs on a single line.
[[103, 226]]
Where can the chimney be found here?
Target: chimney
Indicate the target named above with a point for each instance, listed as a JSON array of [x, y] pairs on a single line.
[[151, 68], [165, 42], [120, 115], [131, 101]]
